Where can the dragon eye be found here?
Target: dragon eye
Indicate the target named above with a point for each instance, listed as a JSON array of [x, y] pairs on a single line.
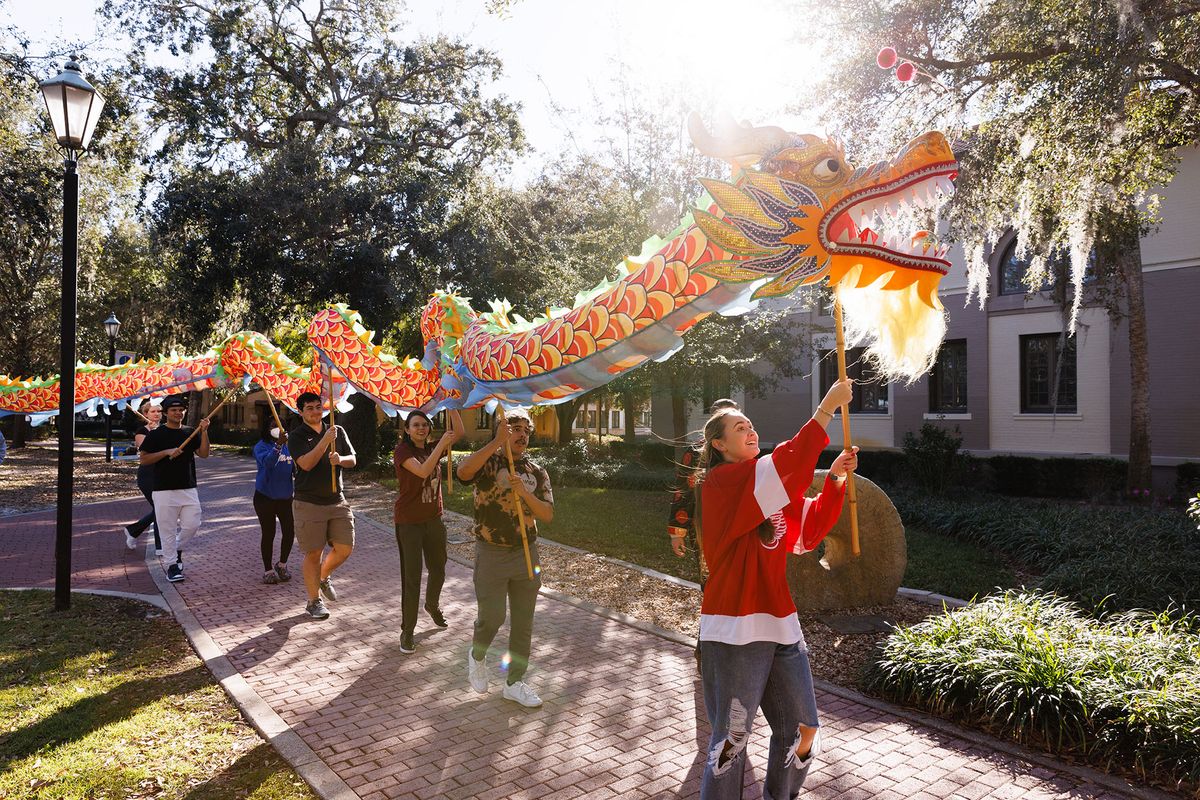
[[827, 168]]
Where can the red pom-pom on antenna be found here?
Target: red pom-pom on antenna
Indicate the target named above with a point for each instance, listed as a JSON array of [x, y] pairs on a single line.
[[906, 72], [886, 58]]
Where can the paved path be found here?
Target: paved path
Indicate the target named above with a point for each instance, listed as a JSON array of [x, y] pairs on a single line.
[[623, 713]]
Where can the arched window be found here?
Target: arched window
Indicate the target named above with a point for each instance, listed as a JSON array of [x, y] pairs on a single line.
[[1012, 270]]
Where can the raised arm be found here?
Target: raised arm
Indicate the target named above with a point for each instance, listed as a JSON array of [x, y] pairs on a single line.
[[423, 469], [471, 465]]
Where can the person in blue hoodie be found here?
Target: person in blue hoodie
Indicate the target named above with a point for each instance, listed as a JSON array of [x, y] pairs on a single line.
[[273, 501]]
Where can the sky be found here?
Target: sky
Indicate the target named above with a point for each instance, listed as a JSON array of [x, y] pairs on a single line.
[[563, 57]]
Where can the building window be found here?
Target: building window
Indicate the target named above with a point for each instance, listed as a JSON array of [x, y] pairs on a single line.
[[615, 418], [716, 385], [948, 379], [1048, 382], [483, 419], [1013, 271], [870, 390], [439, 420], [586, 418], [233, 415]]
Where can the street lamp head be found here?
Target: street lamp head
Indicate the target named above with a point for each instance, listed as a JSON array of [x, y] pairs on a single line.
[[74, 106], [112, 325]]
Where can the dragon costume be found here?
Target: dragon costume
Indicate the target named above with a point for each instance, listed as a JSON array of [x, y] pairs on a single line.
[[794, 213]]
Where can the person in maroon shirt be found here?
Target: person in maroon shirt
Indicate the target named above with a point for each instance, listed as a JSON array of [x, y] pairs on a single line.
[[420, 533]]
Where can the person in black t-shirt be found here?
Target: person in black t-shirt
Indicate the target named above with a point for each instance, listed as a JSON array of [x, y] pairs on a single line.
[[176, 502], [320, 511]]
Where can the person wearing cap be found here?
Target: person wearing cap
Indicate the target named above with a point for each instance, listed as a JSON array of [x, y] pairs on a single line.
[[501, 577], [176, 501], [322, 515], [273, 501]]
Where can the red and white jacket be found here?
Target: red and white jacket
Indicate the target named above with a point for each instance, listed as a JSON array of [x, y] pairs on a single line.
[[746, 598]]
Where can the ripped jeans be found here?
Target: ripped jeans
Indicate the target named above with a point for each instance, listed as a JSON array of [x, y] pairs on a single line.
[[738, 680]]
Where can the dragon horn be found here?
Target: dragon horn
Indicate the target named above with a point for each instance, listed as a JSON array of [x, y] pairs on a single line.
[[743, 144]]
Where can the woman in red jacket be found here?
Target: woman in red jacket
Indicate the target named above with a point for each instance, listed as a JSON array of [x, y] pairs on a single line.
[[753, 513]]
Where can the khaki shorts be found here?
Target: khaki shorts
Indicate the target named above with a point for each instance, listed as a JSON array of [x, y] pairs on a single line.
[[317, 525]]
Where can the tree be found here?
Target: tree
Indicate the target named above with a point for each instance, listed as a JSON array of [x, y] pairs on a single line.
[[31, 213], [1071, 115], [307, 153]]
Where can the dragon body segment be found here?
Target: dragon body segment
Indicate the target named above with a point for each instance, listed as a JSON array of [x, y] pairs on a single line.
[[803, 214]]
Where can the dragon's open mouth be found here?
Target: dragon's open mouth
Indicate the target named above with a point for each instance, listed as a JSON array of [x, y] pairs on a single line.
[[861, 223]]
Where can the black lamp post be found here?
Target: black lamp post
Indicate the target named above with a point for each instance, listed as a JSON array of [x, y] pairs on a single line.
[[74, 106], [112, 326]]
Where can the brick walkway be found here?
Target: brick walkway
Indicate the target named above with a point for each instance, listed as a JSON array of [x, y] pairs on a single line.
[[623, 713]]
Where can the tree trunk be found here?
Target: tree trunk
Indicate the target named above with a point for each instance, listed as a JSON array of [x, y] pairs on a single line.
[[627, 407], [20, 431], [566, 418], [678, 415], [1129, 262]]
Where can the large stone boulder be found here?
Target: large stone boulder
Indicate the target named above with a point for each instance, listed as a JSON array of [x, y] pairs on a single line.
[[838, 579]]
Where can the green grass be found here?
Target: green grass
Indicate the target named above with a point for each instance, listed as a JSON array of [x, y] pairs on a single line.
[[952, 567], [631, 526], [624, 524], [108, 700]]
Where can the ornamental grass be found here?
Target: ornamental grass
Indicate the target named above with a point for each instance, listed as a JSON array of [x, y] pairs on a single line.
[[1122, 692]]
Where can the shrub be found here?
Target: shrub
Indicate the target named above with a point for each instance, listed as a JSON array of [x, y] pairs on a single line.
[[1088, 478], [1104, 558], [588, 464], [1124, 690], [1187, 479], [932, 457]]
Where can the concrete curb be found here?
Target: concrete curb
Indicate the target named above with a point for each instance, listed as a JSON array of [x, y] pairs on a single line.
[[323, 780], [152, 599]]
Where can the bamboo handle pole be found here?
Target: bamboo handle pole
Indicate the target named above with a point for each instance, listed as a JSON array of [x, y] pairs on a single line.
[[450, 468], [210, 416], [274, 413], [846, 443], [332, 424], [512, 476]]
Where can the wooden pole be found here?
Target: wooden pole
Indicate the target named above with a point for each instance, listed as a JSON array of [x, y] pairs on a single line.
[[138, 414], [332, 444], [274, 413], [211, 414], [846, 444], [512, 476]]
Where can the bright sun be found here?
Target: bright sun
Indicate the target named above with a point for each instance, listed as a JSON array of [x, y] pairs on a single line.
[[745, 58]]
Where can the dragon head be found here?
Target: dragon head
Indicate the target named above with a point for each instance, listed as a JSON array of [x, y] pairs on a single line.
[[805, 213]]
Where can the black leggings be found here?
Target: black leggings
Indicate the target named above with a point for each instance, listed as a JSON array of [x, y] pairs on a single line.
[[268, 511]]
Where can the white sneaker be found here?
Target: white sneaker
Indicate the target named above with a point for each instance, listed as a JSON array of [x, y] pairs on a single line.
[[521, 693], [477, 674], [130, 542]]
